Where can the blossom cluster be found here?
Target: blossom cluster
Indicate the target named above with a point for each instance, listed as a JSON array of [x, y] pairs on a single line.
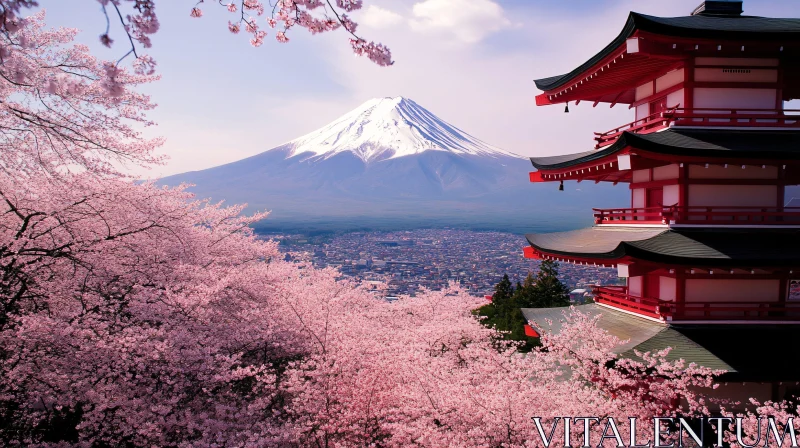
[[286, 14], [137, 315]]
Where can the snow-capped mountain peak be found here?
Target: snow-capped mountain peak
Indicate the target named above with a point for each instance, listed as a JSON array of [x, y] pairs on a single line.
[[388, 128]]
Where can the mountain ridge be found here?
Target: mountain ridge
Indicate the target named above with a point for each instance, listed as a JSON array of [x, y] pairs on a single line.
[[388, 128], [391, 160]]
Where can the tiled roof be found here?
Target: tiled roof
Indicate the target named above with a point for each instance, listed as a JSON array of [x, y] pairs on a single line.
[[714, 247], [743, 352], [699, 26], [708, 143]]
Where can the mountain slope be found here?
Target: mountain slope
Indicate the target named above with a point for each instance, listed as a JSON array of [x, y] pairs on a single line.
[[387, 128], [389, 160]]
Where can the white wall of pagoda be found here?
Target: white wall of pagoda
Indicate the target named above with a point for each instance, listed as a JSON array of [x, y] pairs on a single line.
[[635, 286], [732, 172], [733, 195], [727, 98], [706, 290], [732, 290], [638, 198], [753, 71], [668, 288], [701, 193], [666, 172], [672, 195], [696, 87]]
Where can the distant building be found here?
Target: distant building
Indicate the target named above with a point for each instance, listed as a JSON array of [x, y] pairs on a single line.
[[578, 296]]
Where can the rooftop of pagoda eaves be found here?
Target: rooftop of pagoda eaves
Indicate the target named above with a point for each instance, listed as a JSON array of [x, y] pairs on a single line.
[[649, 46], [707, 94], [707, 237]]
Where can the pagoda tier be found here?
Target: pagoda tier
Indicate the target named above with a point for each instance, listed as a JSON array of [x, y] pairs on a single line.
[[713, 346], [707, 237], [691, 176], [708, 250], [688, 275], [650, 48]]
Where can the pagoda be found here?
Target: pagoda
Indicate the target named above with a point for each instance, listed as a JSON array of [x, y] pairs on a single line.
[[707, 248]]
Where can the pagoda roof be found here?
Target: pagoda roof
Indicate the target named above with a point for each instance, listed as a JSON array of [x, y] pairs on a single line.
[[692, 142], [739, 350], [748, 28], [713, 247]]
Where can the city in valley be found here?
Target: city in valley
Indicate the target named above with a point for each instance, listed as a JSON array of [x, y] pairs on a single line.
[[408, 261]]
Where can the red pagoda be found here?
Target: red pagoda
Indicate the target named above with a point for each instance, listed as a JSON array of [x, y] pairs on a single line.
[[708, 249]]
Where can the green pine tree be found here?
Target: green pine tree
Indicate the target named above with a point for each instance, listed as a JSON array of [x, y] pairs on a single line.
[[504, 313], [547, 291], [502, 300]]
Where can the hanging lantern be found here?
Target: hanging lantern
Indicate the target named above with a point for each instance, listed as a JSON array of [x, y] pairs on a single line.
[[566, 108], [561, 186]]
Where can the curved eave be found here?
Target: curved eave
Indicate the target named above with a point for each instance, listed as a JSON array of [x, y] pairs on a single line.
[[571, 161], [674, 145], [725, 248], [570, 86], [554, 82]]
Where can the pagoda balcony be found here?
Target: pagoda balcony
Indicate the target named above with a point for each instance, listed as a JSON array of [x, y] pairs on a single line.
[[699, 215], [703, 117], [618, 297]]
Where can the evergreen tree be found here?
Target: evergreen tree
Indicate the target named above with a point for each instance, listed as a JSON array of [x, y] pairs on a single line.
[[503, 296], [504, 313], [547, 290]]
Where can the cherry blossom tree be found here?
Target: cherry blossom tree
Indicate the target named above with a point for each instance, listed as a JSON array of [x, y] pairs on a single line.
[[137, 315], [139, 21]]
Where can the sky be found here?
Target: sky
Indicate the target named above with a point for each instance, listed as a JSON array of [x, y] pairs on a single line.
[[470, 62]]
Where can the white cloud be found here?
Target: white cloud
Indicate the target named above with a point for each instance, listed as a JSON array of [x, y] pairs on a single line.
[[468, 21], [377, 17]]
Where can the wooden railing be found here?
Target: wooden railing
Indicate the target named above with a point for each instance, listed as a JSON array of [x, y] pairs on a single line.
[[703, 117], [640, 215], [618, 297], [653, 122], [699, 215], [784, 118]]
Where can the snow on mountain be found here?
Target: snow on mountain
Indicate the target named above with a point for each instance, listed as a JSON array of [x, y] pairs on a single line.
[[392, 161], [388, 128]]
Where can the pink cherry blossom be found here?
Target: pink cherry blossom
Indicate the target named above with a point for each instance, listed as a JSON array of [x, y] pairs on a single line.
[[138, 315], [258, 38], [196, 12]]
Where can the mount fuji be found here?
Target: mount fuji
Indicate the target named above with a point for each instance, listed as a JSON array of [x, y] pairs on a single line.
[[390, 163]]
